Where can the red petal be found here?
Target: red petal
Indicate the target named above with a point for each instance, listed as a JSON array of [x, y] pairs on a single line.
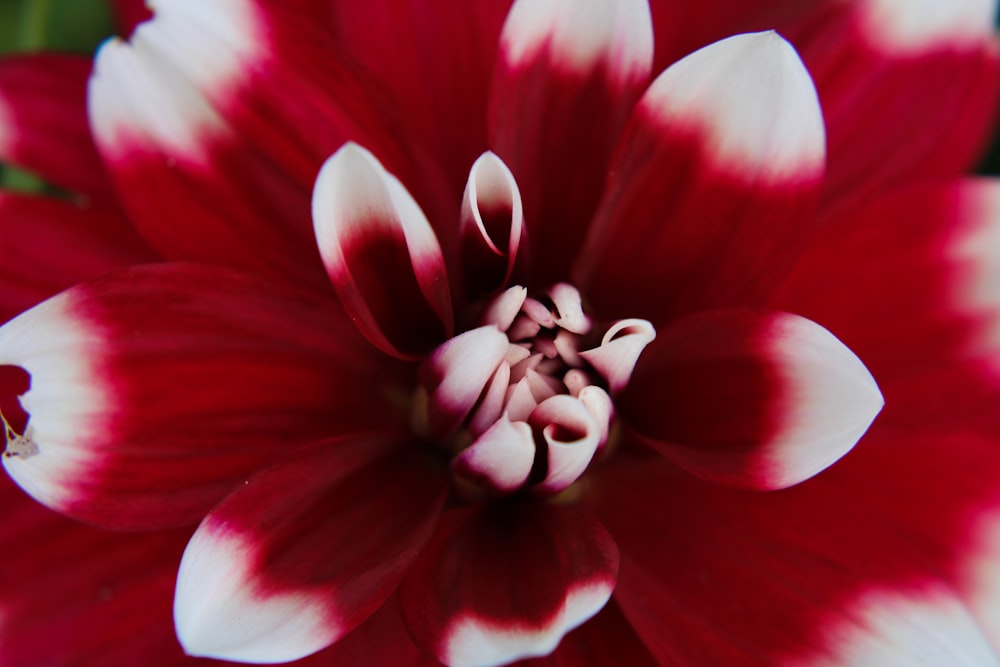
[[917, 299], [199, 120], [752, 399], [726, 144], [51, 244], [294, 560], [435, 63], [154, 390], [555, 59], [43, 123], [381, 255], [875, 62], [837, 571], [497, 584], [76, 595]]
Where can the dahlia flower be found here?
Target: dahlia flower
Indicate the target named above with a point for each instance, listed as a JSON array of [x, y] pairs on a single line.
[[386, 333]]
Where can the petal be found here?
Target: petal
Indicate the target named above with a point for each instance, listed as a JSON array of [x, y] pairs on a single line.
[[619, 351], [435, 64], [497, 584], [72, 593], [154, 390], [491, 229], [292, 560], [606, 639], [571, 436], [381, 254], [456, 374], [500, 459], [735, 132], [557, 57], [51, 244], [877, 60], [43, 123], [832, 572], [193, 118], [753, 399], [918, 300]]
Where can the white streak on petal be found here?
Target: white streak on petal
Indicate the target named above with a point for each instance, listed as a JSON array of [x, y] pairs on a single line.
[[504, 308], [561, 417], [912, 26], [472, 642], [462, 367], [600, 407], [619, 351], [924, 628], [569, 307], [582, 35], [491, 407], [69, 403], [831, 401], [491, 185], [750, 98], [218, 613], [500, 458], [154, 89]]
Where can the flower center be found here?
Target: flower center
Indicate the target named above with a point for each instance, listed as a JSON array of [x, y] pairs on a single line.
[[524, 401]]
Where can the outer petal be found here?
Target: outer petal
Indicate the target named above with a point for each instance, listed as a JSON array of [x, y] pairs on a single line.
[[875, 61], [754, 399], [910, 284], [200, 120], [43, 123], [154, 390], [726, 144], [847, 569], [50, 244], [381, 254], [75, 594], [496, 584], [556, 58], [292, 561]]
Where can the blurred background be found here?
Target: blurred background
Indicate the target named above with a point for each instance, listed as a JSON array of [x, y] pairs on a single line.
[[80, 26]]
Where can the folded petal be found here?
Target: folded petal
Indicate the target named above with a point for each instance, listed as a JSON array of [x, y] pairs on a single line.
[[72, 593], [910, 284], [199, 119], [381, 254], [43, 123], [556, 58], [294, 560], [154, 390], [851, 568], [491, 228], [498, 584], [753, 399], [50, 244], [727, 144], [874, 62]]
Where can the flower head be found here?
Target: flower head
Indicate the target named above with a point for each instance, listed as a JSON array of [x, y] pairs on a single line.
[[502, 331]]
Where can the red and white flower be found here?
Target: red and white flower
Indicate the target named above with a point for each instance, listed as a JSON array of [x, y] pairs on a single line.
[[502, 332]]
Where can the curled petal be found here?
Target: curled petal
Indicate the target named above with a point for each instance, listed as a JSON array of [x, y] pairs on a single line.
[[571, 435], [456, 374], [500, 583], [600, 407], [620, 348], [491, 229], [504, 309], [500, 459], [557, 57], [381, 254], [569, 307], [760, 400]]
